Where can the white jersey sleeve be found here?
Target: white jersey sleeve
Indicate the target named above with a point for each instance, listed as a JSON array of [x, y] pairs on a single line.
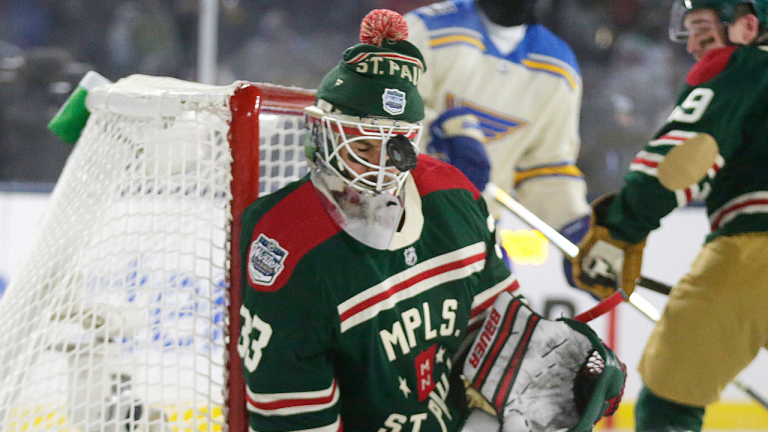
[[527, 101], [418, 34]]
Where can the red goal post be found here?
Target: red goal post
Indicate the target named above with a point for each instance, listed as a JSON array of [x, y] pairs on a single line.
[[277, 101], [120, 317]]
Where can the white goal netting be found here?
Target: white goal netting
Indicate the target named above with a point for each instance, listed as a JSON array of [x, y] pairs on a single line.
[[117, 319]]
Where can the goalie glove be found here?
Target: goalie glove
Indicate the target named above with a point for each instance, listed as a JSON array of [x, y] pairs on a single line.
[[540, 375], [458, 140], [605, 264]]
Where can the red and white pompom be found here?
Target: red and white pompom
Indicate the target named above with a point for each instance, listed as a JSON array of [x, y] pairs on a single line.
[[382, 24]]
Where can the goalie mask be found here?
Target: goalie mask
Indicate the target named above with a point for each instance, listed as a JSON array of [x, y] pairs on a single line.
[[364, 126], [539, 375]]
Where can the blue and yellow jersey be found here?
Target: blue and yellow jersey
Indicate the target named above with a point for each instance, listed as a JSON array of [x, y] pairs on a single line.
[[527, 101]]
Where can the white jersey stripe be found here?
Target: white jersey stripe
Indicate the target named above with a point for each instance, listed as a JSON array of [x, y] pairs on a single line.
[[646, 162], [265, 398], [719, 162], [747, 209], [653, 172], [681, 199], [412, 291], [282, 404], [749, 203], [665, 141], [493, 291], [680, 134], [333, 427], [391, 281], [649, 156], [685, 196], [482, 301], [675, 137]]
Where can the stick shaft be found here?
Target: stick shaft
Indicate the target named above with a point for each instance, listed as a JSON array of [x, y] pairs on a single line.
[[745, 388], [603, 307], [653, 285], [562, 243], [531, 219]]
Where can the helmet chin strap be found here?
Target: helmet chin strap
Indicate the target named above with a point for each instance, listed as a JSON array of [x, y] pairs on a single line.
[[508, 13]]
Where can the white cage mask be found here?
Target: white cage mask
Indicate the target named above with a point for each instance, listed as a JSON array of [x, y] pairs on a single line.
[[365, 197], [333, 135]]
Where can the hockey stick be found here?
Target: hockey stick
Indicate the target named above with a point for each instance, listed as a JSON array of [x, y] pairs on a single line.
[[558, 240], [659, 287], [555, 237], [743, 387], [570, 249]]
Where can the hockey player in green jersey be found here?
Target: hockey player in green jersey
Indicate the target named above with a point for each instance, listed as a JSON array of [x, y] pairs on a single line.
[[699, 28], [714, 147], [364, 280]]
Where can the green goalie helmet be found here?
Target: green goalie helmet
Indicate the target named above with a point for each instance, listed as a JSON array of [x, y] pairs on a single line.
[[371, 95], [364, 127], [723, 8]]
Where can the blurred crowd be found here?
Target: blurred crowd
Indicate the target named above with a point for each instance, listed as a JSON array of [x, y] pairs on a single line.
[[631, 72]]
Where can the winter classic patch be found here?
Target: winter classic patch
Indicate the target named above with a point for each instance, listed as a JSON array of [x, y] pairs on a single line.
[[394, 101], [265, 260]]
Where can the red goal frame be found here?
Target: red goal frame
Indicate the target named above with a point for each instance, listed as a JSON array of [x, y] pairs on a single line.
[[249, 100]]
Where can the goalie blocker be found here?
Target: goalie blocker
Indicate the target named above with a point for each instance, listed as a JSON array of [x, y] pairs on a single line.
[[540, 375]]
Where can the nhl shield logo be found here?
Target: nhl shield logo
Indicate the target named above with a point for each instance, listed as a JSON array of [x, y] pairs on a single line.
[[394, 101], [410, 256], [265, 260]]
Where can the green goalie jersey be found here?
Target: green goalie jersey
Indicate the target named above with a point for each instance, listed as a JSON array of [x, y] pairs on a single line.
[[339, 335], [726, 96]]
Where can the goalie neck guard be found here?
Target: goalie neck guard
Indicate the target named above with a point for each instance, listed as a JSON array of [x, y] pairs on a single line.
[[368, 101], [542, 375]]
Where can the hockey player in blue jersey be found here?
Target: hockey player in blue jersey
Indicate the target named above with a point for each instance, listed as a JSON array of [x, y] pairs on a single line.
[[498, 77]]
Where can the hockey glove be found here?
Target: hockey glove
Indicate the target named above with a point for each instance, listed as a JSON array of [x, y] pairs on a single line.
[[458, 140], [604, 263], [574, 231], [540, 375]]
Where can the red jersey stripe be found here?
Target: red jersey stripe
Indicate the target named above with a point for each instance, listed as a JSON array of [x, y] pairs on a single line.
[[410, 282], [289, 403]]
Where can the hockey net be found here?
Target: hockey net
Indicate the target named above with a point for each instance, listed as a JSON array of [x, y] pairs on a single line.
[[119, 318]]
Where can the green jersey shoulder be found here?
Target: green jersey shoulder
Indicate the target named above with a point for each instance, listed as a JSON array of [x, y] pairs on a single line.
[[726, 96]]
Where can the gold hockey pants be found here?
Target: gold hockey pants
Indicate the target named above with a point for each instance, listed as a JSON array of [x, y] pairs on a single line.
[[714, 324]]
